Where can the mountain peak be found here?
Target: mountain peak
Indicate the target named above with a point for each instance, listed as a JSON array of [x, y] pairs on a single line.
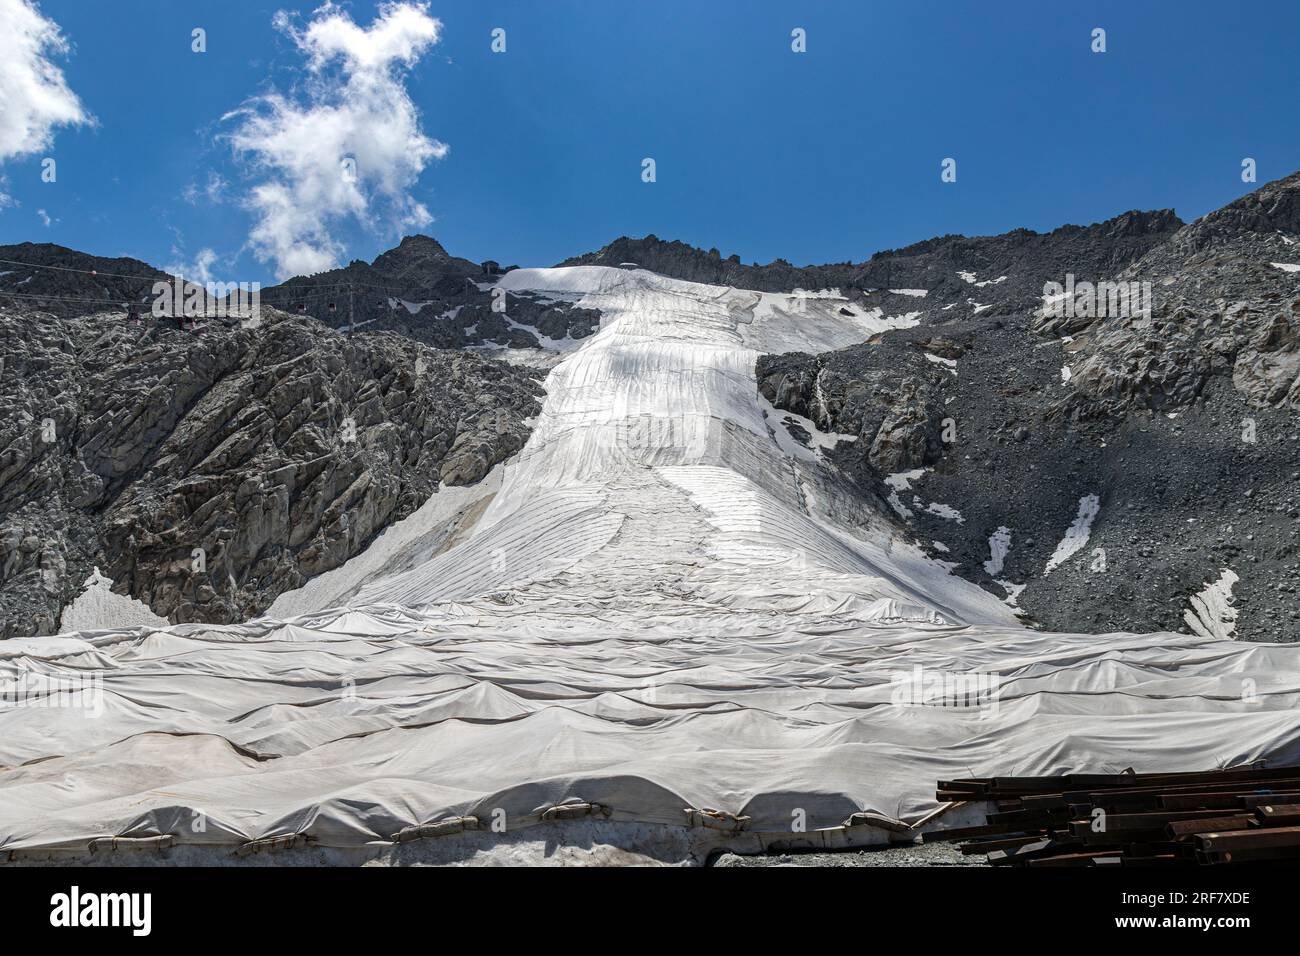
[[1265, 211], [419, 255], [419, 241]]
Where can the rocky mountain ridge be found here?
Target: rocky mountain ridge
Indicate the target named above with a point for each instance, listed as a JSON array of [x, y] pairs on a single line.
[[1168, 441], [206, 472], [991, 426], [421, 292], [933, 264], [65, 282]]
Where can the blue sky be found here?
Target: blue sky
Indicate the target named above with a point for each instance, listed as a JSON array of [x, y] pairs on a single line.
[[822, 156]]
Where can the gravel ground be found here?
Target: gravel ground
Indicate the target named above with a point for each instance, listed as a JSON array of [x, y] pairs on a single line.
[[918, 854]]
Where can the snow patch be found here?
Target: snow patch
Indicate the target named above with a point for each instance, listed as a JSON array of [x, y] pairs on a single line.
[[1076, 536], [411, 307], [999, 545], [1013, 593], [1286, 266], [949, 364], [782, 420], [902, 481], [970, 278], [98, 608], [1212, 613], [947, 512]]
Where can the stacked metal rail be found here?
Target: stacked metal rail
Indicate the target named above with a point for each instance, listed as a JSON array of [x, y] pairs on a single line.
[[1245, 815]]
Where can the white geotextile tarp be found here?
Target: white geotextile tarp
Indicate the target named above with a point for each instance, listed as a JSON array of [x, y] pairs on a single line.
[[658, 610]]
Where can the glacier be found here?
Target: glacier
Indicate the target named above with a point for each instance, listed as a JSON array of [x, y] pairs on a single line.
[[659, 609]]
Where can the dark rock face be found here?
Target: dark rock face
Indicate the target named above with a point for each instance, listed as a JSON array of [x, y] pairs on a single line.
[[416, 259], [65, 282], [896, 410], [1183, 423], [677, 259], [423, 293], [278, 451], [1223, 306]]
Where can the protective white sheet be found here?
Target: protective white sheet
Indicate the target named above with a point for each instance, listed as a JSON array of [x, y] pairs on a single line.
[[658, 610]]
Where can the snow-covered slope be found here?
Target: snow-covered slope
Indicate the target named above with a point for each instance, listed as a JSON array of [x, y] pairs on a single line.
[[659, 415], [659, 611]]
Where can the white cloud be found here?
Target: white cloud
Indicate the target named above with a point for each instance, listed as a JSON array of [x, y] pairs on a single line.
[[348, 145], [200, 270], [34, 96], [45, 217], [215, 187], [214, 190]]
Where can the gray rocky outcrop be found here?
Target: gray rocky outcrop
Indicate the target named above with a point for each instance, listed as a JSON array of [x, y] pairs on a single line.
[[1224, 304], [423, 293], [208, 471], [1182, 422]]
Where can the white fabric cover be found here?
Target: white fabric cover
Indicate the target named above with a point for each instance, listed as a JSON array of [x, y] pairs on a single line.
[[658, 610]]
